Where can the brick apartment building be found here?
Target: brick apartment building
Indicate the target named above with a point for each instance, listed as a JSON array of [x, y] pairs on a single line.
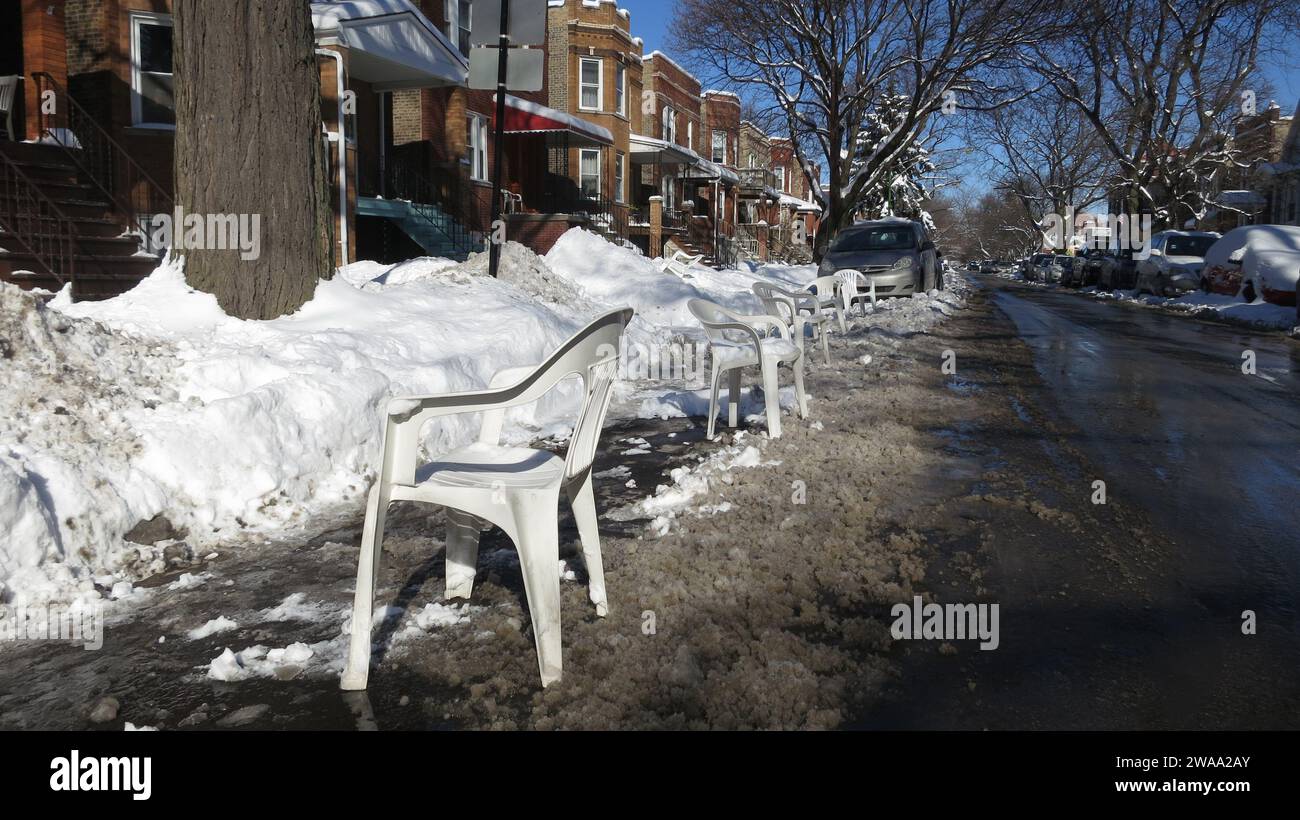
[[619, 142]]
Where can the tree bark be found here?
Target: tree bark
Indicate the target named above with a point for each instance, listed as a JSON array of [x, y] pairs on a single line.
[[249, 143]]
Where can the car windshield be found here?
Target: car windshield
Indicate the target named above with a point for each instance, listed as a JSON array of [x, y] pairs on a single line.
[[900, 238], [1039, 258], [1188, 245]]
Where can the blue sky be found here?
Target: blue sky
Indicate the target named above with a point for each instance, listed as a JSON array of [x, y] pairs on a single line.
[[650, 19]]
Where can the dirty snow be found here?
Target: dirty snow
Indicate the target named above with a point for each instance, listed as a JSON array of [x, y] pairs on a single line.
[[157, 404]]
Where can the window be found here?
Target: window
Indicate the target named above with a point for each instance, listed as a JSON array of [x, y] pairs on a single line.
[[690, 134], [669, 125], [590, 93], [780, 178], [589, 173], [619, 161], [620, 89], [720, 147], [151, 70], [459, 17], [478, 163], [753, 161]]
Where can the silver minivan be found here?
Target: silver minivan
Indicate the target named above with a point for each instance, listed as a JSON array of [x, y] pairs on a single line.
[[897, 254]]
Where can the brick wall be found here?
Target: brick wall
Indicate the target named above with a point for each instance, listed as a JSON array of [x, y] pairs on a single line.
[[673, 86], [580, 29], [44, 49], [721, 112]]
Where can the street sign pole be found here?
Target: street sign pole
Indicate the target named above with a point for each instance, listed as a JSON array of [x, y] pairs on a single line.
[[503, 47]]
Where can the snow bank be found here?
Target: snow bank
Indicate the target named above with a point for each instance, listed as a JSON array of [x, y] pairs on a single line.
[[156, 403]]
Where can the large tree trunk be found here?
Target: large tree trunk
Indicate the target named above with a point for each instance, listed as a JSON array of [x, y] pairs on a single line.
[[248, 142]]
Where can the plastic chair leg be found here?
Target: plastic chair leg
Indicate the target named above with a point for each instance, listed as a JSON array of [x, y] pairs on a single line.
[[826, 350], [800, 394], [713, 400], [462, 554], [357, 672], [733, 397], [772, 399], [583, 499], [538, 542]]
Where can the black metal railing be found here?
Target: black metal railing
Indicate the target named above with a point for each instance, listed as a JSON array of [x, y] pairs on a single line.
[[451, 195], [133, 193], [32, 221]]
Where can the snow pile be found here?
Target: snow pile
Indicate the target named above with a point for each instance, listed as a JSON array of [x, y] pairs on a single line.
[[72, 389], [1231, 309], [157, 404]]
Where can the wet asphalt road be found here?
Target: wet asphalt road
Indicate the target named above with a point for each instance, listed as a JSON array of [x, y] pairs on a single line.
[[1212, 453]]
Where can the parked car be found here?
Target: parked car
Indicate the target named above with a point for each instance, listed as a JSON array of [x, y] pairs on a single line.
[[1175, 263], [1255, 261], [1034, 272], [1071, 270], [897, 254], [1090, 269], [1118, 271], [1054, 271]]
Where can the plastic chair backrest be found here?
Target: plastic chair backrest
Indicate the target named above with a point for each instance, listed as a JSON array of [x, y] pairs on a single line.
[[776, 302], [599, 383]]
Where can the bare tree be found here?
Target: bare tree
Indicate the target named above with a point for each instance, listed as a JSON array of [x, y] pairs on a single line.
[[248, 142], [822, 65], [1161, 82], [1047, 156]]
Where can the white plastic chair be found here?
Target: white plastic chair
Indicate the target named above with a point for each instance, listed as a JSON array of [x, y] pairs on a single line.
[[680, 264], [516, 488], [789, 307], [746, 348], [828, 298], [851, 282]]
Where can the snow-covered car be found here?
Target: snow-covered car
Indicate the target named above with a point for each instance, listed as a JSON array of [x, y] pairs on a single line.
[[896, 254], [1175, 262], [1255, 261]]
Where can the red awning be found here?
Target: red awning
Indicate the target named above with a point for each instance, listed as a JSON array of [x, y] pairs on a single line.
[[524, 117]]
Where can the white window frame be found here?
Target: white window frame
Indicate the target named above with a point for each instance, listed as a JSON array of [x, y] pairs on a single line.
[[780, 179], [582, 175], [620, 89], [476, 143], [583, 85], [713, 147], [690, 134], [137, 19], [451, 9], [668, 121], [620, 176]]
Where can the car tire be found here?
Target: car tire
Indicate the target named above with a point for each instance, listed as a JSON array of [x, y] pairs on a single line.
[[1248, 291]]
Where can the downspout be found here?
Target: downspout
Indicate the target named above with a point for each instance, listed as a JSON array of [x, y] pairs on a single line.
[[341, 139]]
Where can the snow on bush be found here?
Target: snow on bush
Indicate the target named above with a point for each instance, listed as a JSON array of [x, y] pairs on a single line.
[[156, 403]]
